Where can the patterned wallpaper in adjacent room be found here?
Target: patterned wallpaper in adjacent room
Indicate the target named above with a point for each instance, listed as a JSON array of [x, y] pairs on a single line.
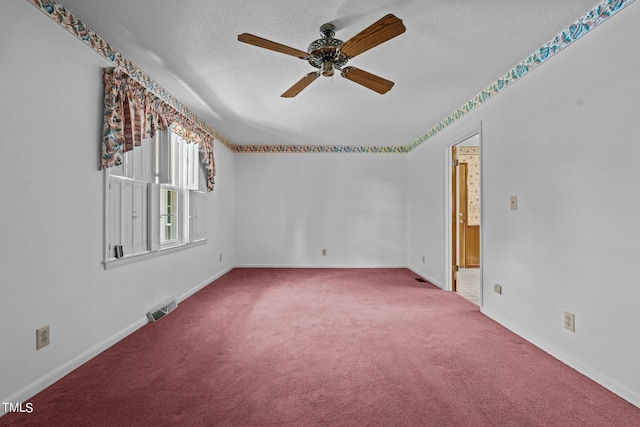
[[471, 156]]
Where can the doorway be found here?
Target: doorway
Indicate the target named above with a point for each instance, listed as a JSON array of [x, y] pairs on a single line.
[[465, 218]]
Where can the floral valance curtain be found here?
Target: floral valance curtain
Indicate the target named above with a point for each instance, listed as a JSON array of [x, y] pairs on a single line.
[[131, 114]]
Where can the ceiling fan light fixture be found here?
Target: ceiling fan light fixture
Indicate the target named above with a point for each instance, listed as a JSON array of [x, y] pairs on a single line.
[[327, 69]]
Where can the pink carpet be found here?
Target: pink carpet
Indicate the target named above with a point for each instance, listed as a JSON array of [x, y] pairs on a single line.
[[325, 347]]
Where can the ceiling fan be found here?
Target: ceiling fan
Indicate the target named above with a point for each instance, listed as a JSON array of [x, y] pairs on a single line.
[[329, 54]]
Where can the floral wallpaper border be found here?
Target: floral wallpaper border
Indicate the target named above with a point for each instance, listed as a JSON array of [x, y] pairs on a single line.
[[600, 13], [597, 15], [56, 11], [345, 149]]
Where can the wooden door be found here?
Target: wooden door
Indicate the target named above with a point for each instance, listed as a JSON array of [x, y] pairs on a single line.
[[465, 239], [472, 246], [461, 214], [458, 216]]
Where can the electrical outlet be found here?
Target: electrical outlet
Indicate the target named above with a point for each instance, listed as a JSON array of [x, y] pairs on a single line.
[[42, 337], [570, 321], [497, 289], [324, 252], [424, 259], [220, 257]]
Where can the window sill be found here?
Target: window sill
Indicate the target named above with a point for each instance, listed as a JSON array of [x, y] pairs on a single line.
[[130, 259]]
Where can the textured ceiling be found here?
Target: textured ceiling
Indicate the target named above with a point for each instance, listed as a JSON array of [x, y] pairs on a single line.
[[450, 52]]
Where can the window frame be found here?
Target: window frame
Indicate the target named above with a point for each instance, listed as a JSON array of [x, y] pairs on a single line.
[[143, 167]]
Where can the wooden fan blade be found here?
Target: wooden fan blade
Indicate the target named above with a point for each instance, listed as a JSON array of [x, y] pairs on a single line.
[[300, 85], [368, 80], [377, 33], [268, 44]]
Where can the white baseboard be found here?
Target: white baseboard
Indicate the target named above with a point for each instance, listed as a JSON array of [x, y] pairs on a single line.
[[621, 390], [203, 284], [426, 276], [40, 384], [320, 266]]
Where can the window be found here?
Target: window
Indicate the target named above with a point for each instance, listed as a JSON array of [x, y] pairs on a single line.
[[168, 215], [155, 200]]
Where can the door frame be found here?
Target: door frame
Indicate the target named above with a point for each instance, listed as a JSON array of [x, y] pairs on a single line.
[[449, 214]]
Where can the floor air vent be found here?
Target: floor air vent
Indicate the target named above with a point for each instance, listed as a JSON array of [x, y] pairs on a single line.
[[161, 310], [420, 279]]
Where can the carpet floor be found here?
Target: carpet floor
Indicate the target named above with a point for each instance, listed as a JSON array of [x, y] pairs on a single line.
[[325, 347]]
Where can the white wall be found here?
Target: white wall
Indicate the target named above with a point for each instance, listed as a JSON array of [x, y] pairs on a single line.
[[291, 206], [564, 139], [426, 212], [52, 212]]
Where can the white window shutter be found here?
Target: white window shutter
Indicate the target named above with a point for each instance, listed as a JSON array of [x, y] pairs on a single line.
[[129, 163], [191, 164], [154, 216], [137, 162], [164, 154], [139, 215], [146, 153], [127, 209], [202, 175], [197, 217], [127, 217], [115, 216]]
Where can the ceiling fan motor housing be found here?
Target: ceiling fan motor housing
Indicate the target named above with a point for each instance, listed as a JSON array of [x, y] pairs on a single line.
[[324, 53]]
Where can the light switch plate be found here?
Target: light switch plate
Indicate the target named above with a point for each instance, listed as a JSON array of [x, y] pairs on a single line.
[[513, 202]]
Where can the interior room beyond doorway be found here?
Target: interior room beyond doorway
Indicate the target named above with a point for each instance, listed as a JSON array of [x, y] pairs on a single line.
[[466, 218]]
